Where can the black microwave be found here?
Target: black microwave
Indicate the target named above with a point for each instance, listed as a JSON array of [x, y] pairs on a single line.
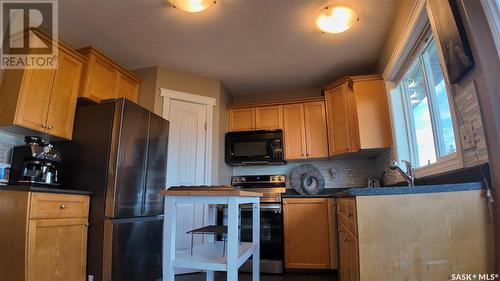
[[254, 148]]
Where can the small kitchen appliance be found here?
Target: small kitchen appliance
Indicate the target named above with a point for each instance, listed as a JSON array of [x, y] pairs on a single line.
[[35, 163], [254, 148]]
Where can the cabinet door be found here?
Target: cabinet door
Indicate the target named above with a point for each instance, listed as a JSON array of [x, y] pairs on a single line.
[[34, 99], [306, 233], [294, 131], [127, 88], [101, 80], [345, 262], [57, 250], [64, 95], [338, 118], [269, 117], [316, 131], [242, 119], [348, 254]]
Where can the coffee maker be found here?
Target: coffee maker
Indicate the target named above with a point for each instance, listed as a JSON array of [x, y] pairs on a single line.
[[35, 163]]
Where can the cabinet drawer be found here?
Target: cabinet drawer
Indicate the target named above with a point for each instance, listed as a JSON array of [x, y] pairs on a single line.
[[346, 211], [57, 206]]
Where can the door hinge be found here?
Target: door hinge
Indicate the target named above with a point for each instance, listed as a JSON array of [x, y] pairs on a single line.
[[205, 126]]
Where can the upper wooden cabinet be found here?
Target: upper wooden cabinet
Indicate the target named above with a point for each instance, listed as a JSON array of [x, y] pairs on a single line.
[[295, 131], [269, 117], [256, 118], [105, 79], [305, 130], [43, 100], [358, 115], [309, 233], [241, 119]]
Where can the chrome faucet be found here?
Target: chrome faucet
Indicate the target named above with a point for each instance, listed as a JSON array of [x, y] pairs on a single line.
[[409, 176]]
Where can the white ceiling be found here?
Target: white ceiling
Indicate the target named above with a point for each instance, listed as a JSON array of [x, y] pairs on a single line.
[[253, 46]]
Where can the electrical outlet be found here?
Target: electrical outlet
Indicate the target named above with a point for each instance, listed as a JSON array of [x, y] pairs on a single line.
[[468, 136]]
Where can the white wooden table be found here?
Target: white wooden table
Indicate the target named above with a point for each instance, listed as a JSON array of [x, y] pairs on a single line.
[[208, 256]]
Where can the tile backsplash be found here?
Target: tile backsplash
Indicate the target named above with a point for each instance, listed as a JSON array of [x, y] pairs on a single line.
[[338, 173], [7, 143]]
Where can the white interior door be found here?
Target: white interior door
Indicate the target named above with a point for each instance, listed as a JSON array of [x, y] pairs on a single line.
[[186, 165]]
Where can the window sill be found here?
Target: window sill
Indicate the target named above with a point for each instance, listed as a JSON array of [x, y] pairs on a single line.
[[448, 163]]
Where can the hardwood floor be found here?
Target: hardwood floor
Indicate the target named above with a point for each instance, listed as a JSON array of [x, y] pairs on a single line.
[[221, 276]]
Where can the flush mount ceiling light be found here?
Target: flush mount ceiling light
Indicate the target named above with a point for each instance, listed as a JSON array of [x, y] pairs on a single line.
[[192, 6], [336, 19]]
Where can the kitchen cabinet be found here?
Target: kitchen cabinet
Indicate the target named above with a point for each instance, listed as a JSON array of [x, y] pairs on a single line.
[[42, 100], [347, 239], [358, 115], [43, 236], [105, 79], [241, 119], [308, 225], [305, 130], [269, 117], [256, 118]]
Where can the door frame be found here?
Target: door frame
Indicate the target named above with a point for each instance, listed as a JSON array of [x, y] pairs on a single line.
[[209, 102]]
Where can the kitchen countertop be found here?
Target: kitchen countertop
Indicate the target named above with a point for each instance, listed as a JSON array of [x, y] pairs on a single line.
[[28, 188], [371, 191]]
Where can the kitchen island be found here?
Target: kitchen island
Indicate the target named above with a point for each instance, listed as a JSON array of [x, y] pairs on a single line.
[[213, 255]]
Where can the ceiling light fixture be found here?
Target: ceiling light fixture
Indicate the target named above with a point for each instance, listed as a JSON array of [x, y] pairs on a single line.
[[336, 19], [192, 6]]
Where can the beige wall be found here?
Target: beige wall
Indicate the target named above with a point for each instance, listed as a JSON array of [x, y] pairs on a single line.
[[160, 77], [402, 14], [276, 96]]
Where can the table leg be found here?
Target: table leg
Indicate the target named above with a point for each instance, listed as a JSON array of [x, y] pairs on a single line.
[[232, 243], [210, 275], [256, 240], [211, 220], [169, 238]]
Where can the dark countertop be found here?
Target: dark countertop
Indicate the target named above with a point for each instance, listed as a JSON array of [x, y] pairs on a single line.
[[44, 189], [327, 192], [368, 191]]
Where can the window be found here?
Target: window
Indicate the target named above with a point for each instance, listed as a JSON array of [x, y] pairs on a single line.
[[425, 107]]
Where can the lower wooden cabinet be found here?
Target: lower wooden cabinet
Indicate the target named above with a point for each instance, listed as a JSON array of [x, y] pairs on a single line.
[[43, 236], [348, 239], [308, 235]]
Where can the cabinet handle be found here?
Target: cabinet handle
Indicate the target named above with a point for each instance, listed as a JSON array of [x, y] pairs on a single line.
[[346, 240], [87, 224], [44, 125], [63, 206], [340, 211], [50, 127]]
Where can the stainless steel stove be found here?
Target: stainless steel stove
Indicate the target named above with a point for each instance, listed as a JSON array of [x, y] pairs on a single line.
[[271, 219]]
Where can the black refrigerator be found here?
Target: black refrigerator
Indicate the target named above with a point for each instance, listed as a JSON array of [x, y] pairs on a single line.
[[119, 151]]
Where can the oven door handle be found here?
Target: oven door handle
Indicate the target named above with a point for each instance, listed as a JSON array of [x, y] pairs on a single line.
[[264, 207]]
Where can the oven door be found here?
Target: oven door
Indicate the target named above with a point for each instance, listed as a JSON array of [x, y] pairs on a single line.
[[254, 147], [271, 229]]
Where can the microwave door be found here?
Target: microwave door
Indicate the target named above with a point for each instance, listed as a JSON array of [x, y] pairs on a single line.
[[252, 151]]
